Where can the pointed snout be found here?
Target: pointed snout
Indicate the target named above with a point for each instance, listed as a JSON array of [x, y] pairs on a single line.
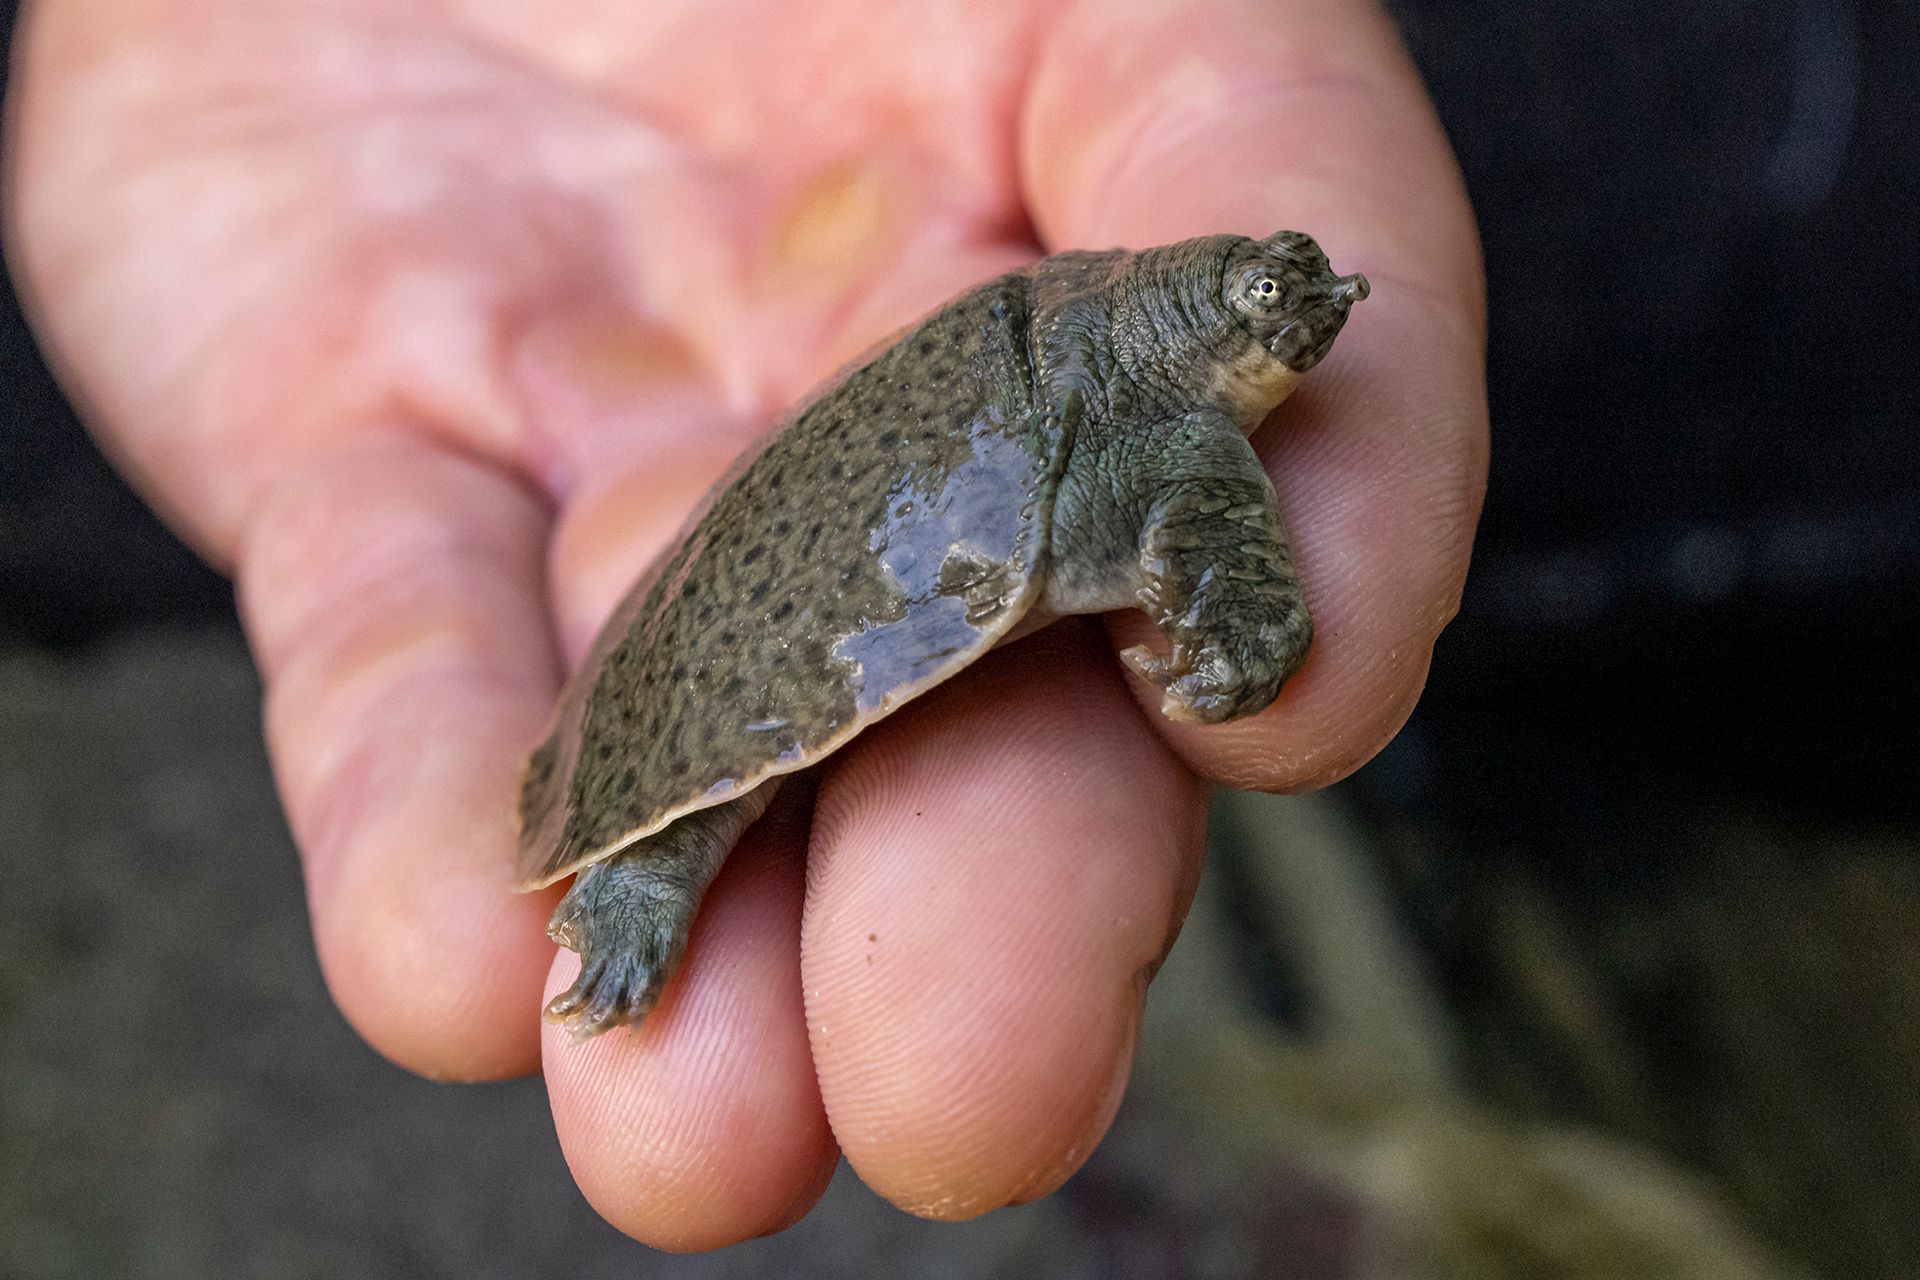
[[1348, 290]]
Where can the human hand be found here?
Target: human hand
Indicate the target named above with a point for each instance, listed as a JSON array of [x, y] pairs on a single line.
[[430, 323]]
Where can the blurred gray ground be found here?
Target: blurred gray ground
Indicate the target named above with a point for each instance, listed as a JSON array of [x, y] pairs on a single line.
[[178, 1098]]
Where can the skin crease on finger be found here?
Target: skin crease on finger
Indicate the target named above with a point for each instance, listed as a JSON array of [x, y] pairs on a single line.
[[432, 629], [245, 284]]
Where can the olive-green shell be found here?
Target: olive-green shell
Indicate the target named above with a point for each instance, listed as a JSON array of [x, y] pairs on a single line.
[[880, 542]]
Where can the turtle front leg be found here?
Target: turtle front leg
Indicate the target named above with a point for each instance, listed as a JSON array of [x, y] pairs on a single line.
[[1217, 576], [630, 915]]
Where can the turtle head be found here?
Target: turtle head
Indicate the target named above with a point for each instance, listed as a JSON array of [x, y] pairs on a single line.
[[1223, 319], [1283, 290]]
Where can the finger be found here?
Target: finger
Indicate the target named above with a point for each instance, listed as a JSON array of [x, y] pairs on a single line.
[[937, 270], [997, 870], [618, 525], [704, 1127], [1302, 114], [392, 592]]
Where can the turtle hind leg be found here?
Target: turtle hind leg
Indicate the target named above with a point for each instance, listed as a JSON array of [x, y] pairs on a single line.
[[629, 916]]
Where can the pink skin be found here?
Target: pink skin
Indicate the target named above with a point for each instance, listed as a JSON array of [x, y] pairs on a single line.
[[430, 320]]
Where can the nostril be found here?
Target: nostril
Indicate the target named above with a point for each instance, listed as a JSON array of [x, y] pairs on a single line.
[[1353, 288]]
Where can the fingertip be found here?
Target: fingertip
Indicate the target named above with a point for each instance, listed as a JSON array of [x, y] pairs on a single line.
[[437, 965], [1319, 730], [995, 873], [455, 1033], [703, 1127]]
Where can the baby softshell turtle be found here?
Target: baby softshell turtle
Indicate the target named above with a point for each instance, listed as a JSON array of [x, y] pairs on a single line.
[[1065, 439]]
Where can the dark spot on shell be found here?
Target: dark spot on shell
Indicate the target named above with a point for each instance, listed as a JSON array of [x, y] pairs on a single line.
[[784, 611], [678, 673], [753, 553], [759, 592]]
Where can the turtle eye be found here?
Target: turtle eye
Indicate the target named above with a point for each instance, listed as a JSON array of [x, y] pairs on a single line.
[[1263, 292]]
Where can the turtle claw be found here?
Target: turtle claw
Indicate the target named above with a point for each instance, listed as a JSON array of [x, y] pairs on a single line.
[[609, 992], [1216, 688], [1159, 672], [1206, 684], [574, 998]]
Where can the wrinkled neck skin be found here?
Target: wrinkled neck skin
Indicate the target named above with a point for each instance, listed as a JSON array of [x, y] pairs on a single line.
[[1129, 346], [1146, 336]]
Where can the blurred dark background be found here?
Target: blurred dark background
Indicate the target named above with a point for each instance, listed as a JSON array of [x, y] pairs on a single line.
[[1701, 549], [1677, 709]]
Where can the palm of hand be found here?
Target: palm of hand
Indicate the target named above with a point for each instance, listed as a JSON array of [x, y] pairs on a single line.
[[433, 327]]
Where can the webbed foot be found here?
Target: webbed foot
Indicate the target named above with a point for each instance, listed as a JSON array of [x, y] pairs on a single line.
[[630, 916], [630, 925]]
